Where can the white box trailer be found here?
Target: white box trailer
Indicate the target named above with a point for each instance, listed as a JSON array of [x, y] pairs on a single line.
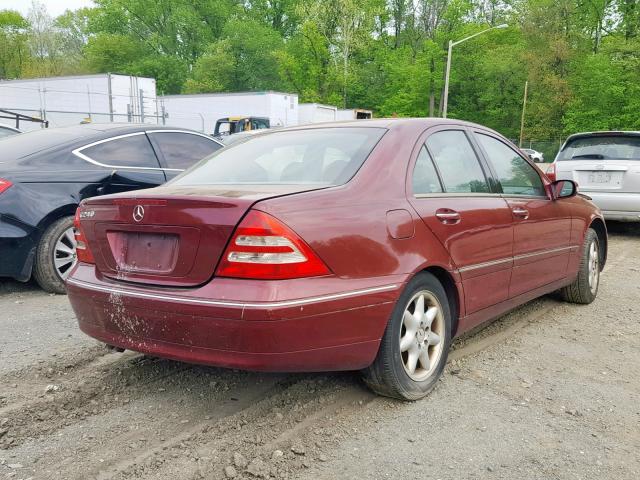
[[201, 111], [65, 101], [316, 113], [353, 114]]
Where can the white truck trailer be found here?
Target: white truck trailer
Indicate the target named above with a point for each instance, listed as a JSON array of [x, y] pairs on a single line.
[[65, 101], [201, 111], [316, 113], [353, 114]]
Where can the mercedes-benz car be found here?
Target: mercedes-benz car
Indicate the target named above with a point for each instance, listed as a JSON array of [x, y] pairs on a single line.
[[357, 245], [45, 174]]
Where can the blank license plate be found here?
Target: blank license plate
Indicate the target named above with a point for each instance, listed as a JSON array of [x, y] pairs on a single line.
[[599, 177], [144, 252]]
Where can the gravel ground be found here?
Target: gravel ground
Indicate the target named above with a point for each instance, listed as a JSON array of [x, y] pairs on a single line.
[[549, 391]]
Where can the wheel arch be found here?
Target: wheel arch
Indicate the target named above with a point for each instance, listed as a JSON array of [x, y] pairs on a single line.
[[56, 214], [450, 288], [598, 225]]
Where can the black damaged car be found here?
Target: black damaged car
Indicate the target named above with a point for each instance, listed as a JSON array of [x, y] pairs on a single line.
[[46, 173]]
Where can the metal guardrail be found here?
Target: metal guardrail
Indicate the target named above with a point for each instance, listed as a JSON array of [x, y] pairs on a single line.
[[18, 117]]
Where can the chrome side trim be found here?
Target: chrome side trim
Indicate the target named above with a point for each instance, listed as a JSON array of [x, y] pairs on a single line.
[[543, 252], [78, 151], [223, 303], [485, 264], [517, 257]]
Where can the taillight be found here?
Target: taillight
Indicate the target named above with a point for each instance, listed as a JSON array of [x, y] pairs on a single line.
[[4, 184], [264, 248], [82, 248], [551, 172]]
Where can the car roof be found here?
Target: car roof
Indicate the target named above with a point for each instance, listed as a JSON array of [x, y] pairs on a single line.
[[603, 133], [29, 143], [391, 123]]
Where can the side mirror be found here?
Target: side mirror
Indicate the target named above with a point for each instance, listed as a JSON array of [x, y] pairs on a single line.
[[564, 189]]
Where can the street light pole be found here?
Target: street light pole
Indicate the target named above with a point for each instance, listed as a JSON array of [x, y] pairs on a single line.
[[445, 99]]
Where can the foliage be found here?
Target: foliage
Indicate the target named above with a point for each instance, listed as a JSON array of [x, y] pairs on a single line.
[[581, 58]]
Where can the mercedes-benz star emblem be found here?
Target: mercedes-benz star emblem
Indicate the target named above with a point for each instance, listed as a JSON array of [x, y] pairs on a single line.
[[138, 213]]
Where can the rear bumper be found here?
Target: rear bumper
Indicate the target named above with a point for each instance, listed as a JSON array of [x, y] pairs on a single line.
[[17, 250], [335, 325], [617, 206]]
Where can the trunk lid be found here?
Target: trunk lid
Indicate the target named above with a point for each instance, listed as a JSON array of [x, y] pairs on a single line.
[[170, 236]]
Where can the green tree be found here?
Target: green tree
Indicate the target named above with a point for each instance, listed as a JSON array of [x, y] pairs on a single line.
[[246, 58], [14, 50]]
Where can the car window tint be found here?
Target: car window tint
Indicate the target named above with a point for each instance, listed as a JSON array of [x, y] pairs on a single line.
[[457, 162], [5, 132], [425, 177], [602, 147], [515, 175], [131, 151], [182, 150], [318, 156]]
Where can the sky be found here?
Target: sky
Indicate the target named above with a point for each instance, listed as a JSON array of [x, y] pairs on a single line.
[[54, 7]]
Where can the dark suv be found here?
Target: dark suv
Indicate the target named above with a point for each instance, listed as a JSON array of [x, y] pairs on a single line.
[[45, 174]]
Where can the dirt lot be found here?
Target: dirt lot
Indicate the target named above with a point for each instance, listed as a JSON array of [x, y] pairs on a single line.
[[550, 391]]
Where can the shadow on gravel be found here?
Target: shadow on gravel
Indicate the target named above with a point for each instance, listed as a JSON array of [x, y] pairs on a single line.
[[626, 229], [8, 285]]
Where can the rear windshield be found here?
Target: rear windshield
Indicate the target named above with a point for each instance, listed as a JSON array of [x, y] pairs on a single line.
[[602, 148], [322, 156]]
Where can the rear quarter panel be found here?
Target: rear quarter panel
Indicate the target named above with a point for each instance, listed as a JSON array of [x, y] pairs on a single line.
[[347, 225]]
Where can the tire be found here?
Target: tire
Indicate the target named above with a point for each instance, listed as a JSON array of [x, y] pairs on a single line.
[[585, 287], [49, 277], [390, 374]]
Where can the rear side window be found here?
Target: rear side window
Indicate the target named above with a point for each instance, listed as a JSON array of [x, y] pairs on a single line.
[[601, 147], [130, 151], [457, 163], [182, 150], [5, 132], [515, 175], [318, 156], [425, 177]]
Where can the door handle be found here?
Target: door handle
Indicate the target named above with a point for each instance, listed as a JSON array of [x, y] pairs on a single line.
[[448, 216], [521, 212]]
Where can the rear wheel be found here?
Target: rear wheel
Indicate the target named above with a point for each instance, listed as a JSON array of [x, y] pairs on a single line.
[[415, 345], [585, 287], [56, 256]]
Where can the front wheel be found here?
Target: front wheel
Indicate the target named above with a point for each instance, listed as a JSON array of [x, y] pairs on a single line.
[[585, 287], [415, 345], [55, 256]]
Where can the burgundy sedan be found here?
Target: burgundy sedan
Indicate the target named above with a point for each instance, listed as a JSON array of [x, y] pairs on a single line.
[[366, 245]]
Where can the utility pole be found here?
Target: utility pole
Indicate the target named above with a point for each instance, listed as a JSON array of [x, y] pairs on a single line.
[[524, 108], [445, 100]]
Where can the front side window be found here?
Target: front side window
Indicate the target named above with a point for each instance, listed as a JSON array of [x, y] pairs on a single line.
[[457, 163], [515, 175], [318, 156], [425, 177], [130, 151], [182, 150]]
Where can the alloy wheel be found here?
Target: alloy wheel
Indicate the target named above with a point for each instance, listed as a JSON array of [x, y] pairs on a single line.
[[594, 267], [64, 253], [421, 335]]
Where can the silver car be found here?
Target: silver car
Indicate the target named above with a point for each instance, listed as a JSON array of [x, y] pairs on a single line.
[[606, 166]]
